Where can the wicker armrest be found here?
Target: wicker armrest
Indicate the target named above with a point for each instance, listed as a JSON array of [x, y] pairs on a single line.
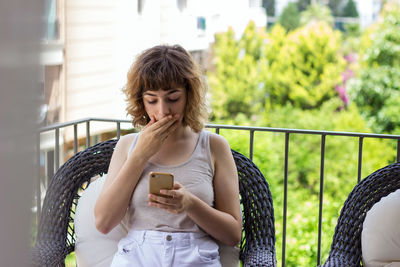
[[261, 256], [49, 253], [258, 244], [340, 260], [56, 234], [346, 244]]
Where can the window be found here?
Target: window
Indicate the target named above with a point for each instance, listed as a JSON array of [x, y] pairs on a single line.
[[51, 21], [201, 23]]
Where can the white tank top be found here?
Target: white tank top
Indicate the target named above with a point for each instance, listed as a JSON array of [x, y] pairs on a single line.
[[196, 175]]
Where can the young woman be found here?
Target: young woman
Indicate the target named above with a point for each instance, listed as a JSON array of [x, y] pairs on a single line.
[[166, 96]]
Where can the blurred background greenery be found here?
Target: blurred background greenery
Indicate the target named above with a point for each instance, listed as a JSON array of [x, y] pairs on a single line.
[[302, 73]]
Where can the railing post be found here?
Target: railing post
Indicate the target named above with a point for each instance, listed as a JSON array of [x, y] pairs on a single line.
[[360, 151], [285, 198], [57, 156], [75, 138], [321, 197], [398, 150], [251, 143], [87, 134], [118, 130]]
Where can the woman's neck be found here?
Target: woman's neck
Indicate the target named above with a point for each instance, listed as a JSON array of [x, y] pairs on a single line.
[[181, 133]]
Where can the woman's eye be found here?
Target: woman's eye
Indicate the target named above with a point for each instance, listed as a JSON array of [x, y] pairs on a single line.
[[152, 102], [173, 99]]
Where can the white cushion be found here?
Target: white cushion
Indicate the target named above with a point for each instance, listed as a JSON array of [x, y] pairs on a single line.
[[380, 237], [95, 249], [229, 256]]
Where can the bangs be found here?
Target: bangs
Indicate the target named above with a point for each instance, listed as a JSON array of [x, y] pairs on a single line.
[[161, 75]]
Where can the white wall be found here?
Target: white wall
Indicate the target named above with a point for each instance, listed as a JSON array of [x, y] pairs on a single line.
[[102, 40]]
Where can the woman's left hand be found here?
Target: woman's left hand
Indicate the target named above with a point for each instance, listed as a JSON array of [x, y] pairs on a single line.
[[177, 200]]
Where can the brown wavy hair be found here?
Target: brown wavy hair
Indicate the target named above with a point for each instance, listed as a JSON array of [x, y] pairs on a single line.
[[160, 68]]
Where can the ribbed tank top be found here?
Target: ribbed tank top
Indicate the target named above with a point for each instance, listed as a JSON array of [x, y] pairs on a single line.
[[196, 175]]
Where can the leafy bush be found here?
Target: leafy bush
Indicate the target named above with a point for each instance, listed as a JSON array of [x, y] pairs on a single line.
[[305, 67], [290, 17], [350, 10], [235, 85], [269, 6], [376, 89], [316, 13], [341, 159], [377, 93]]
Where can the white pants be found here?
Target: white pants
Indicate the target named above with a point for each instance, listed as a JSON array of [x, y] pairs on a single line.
[[155, 248]]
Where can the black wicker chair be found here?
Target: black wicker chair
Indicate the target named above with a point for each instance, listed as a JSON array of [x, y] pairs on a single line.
[[346, 244], [56, 235]]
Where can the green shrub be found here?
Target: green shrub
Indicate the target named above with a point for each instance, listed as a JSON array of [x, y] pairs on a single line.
[[290, 17], [235, 84], [376, 89], [305, 68], [341, 159]]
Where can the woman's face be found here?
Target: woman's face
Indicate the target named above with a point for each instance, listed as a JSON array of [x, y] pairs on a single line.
[[162, 103]]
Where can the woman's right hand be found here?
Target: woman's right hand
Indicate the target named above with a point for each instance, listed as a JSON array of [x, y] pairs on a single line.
[[154, 134]]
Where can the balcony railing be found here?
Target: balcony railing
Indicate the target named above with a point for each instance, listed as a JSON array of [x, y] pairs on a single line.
[[251, 132]]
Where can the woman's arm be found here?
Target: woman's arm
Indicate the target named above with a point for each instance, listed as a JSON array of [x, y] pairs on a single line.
[[122, 177], [124, 172], [224, 221]]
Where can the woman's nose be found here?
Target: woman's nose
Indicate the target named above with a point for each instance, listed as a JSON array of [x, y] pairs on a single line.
[[164, 108]]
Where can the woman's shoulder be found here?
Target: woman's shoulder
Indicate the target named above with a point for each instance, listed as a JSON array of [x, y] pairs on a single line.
[[125, 142], [218, 144], [127, 138]]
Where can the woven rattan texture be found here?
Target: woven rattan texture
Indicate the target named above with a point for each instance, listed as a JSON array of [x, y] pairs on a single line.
[[54, 242], [346, 244], [258, 246]]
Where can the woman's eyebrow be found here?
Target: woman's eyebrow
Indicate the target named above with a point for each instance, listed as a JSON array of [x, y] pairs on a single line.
[[150, 94], [171, 91]]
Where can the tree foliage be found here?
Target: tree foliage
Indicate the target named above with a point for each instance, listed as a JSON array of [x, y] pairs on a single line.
[[303, 4], [376, 90], [316, 13], [235, 83], [269, 6], [335, 7], [350, 10], [304, 67], [290, 17]]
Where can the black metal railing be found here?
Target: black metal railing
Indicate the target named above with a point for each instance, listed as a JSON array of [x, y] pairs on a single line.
[[251, 130]]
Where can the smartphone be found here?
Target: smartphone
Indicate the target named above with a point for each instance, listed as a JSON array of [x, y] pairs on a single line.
[[160, 180]]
